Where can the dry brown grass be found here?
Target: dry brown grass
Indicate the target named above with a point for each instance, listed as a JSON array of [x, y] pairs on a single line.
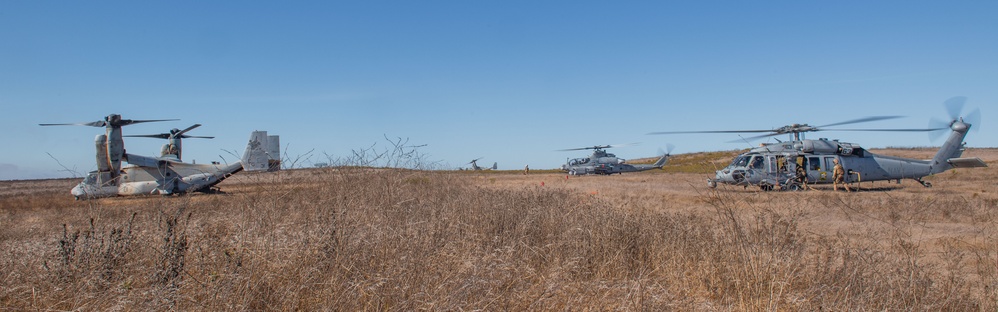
[[363, 239]]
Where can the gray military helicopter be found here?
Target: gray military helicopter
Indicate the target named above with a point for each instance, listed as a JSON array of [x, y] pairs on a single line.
[[156, 175], [601, 162], [474, 165], [774, 165], [174, 146]]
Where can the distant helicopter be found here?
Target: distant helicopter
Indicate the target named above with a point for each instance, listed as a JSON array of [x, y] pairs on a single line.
[[601, 162], [174, 146], [774, 165], [157, 175], [474, 165]]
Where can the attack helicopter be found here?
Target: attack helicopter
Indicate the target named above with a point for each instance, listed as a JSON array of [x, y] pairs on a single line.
[[601, 162], [774, 165], [156, 175], [474, 165]]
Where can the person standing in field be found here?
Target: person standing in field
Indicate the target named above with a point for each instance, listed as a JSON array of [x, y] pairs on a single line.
[[839, 176], [526, 169]]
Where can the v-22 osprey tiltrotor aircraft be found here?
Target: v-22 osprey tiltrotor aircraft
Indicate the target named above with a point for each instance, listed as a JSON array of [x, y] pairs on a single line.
[[774, 166], [474, 165], [601, 162], [162, 175]]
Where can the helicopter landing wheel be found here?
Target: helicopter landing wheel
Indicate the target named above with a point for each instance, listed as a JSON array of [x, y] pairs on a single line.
[[924, 183]]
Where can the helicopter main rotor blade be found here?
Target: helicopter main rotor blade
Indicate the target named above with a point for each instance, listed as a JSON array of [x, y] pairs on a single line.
[[753, 138], [573, 149], [865, 119], [712, 131], [596, 147], [196, 137], [894, 130]]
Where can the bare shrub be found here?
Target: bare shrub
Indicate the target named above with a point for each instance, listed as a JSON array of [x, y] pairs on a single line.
[[95, 253]]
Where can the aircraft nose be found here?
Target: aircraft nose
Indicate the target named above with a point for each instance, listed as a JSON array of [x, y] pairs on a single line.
[[77, 191]]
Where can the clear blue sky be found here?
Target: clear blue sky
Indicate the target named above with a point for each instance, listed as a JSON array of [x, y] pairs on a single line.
[[511, 81]]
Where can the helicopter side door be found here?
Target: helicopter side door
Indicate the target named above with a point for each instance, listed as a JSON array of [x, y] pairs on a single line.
[[756, 169], [816, 173]]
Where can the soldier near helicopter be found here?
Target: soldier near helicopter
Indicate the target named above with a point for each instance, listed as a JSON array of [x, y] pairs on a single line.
[[801, 172], [839, 175]]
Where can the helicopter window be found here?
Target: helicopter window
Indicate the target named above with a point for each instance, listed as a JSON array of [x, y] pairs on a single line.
[[741, 161], [782, 163], [815, 163], [757, 162]]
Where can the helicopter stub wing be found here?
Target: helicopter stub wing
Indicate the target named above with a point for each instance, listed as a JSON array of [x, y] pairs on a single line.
[[966, 162]]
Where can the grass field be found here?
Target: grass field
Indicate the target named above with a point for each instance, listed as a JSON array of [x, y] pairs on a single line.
[[391, 239]]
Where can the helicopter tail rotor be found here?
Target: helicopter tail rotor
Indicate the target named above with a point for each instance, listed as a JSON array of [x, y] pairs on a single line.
[[668, 149], [954, 108], [938, 127]]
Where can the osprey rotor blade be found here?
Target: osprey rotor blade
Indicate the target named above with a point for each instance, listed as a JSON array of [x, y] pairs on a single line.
[[181, 133], [155, 136], [125, 122], [90, 124]]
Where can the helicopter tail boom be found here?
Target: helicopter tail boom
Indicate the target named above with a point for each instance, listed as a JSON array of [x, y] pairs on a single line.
[[949, 153], [661, 161]]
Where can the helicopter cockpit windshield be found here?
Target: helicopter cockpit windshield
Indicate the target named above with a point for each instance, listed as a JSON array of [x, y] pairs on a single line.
[[740, 161], [578, 161], [91, 178]]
